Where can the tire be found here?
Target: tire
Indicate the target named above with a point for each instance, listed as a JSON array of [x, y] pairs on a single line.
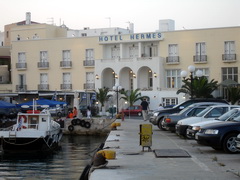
[[82, 123], [160, 124], [70, 128], [229, 144], [59, 114], [78, 121], [74, 122], [87, 125]]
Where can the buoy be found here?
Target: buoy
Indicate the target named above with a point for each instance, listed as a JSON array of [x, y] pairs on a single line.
[[71, 128]]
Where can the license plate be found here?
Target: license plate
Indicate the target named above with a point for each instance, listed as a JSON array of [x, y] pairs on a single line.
[[196, 136]]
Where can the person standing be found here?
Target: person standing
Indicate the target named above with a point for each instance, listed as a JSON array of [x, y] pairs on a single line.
[[145, 108], [75, 112], [160, 107]]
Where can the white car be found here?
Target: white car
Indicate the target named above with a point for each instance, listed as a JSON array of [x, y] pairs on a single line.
[[228, 116], [208, 114]]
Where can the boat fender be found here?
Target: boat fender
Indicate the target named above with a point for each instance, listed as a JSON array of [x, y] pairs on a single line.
[[87, 125], [78, 121], [82, 123], [70, 128], [74, 122]]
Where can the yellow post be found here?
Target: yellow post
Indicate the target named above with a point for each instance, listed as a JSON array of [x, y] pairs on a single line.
[[146, 136]]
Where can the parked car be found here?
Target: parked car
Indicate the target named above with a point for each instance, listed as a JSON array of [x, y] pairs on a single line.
[[237, 141], [157, 117], [208, 114], [57, 111], [10, 113], [228, 116], [135, 110], [171, 120], [222, 135]]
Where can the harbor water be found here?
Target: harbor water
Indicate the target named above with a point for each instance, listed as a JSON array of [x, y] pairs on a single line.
[[66, 164]]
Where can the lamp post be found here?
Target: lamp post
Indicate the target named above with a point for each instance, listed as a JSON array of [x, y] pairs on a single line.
[[191, 69], [117, 88]]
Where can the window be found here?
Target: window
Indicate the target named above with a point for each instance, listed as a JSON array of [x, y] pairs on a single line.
[[66, 78], [205, 72], [21, 57], [172, 50], [66, 55], [43, 78], [1, 79], [173, 78], [43, 56], [229, 47], [230, 73], [200, 49], [115, 52], [89, 54], [133, 51], [229, 50], [169, 101]]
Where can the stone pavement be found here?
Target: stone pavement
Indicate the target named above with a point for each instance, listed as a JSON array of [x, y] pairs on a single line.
[[132, 163]]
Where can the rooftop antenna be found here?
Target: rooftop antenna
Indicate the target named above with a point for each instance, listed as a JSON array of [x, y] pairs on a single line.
[[128, 24], [109, 21]]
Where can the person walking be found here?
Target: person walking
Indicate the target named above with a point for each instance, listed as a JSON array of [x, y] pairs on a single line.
[[145, 108]]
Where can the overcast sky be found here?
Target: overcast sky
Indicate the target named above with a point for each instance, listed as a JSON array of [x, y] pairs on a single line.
[[145, 14]]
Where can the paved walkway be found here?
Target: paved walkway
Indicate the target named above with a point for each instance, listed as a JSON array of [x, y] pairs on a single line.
[[133, 164]]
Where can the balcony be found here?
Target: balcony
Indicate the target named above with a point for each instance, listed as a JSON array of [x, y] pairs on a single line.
[[66, 87], [66, 64], [89, 86], [21, 66], [172, 60], [43, 87], [229, 57], [200, 59], [43, 65], [89, 63], [21, 88]]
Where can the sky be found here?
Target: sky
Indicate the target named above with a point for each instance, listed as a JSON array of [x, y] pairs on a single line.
[[144, 14]]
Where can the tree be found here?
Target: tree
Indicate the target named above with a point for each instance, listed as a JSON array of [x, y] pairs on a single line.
[[102, 95], [131, 96], [200, 87], [233, 94]]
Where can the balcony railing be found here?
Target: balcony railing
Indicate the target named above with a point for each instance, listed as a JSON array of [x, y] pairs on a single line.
[[21, 65], [66, 64], [229, 57], [89, 86], [200, 59], [89, 63], [172, 60], [43, 86], [21, 88], [43, 65], [66, 86]]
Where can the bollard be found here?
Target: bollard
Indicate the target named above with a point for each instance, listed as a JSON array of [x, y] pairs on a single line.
[[146, 136]]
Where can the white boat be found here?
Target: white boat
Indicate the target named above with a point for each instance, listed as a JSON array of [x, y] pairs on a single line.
[[34, 132]]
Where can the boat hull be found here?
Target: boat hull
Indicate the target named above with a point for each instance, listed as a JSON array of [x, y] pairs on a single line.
[[22, 145]]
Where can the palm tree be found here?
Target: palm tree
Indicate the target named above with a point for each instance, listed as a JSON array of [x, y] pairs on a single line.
[[131, 96], [199, 88], [233, 94], [102, 95]]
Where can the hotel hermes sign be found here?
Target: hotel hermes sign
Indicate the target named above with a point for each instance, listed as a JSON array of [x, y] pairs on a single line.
[[155, 36]]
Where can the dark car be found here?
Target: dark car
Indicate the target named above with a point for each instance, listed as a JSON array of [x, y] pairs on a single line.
[[228, 116], [157, 117], [10, 113], [135, 110], [171, 120], [221, 135]]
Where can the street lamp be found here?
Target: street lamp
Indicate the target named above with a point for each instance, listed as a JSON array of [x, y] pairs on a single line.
[[191, 69], [117, 88]]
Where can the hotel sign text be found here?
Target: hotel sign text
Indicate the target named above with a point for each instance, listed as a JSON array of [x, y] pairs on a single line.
[[131, 37]]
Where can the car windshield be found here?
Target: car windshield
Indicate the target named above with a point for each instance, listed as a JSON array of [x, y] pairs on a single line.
[[229, 115], [203, 112], [185, 109]]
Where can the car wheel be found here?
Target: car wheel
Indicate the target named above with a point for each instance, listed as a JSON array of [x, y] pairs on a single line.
[[139, 114], [59, 114], [229, 144], [160, 124]]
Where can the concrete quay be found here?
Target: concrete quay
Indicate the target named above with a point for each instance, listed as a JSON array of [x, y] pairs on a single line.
[[132, 163]]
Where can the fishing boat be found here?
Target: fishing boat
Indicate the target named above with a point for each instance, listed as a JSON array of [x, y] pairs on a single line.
[[34, 132]]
